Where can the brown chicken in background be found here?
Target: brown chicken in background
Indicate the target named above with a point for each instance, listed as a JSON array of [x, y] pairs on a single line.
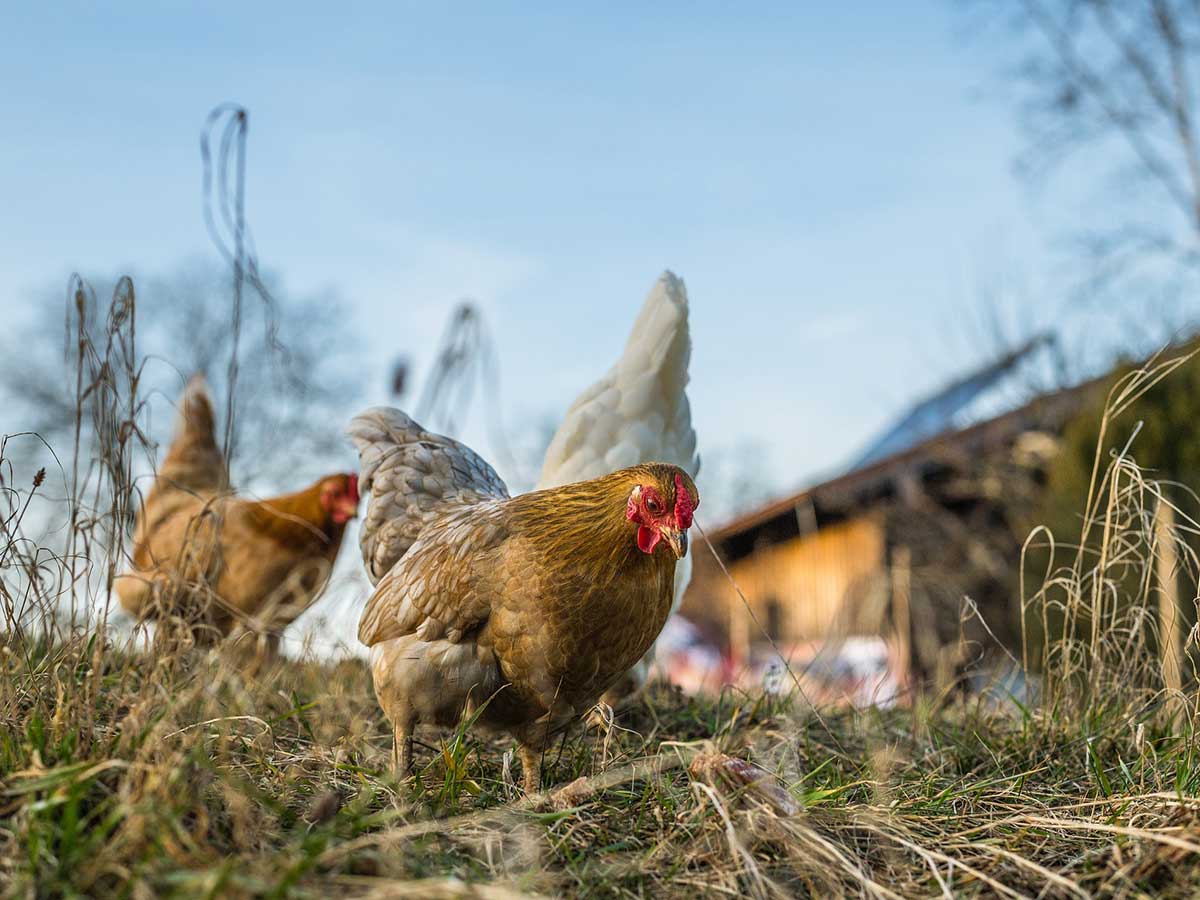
[[523, 610], [225, 564]]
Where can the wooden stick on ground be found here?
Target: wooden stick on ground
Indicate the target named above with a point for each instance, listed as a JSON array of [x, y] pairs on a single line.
[[572, 794]]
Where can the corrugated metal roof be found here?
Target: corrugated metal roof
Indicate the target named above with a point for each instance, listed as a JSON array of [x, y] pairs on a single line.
[[1020, 390], [1002, 385]]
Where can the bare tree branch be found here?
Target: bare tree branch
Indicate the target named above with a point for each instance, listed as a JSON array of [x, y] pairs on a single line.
[[290, 408], [1125, 121]]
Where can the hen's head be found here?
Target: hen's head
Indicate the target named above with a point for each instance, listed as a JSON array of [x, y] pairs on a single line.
[[339, 497], [661, 505]]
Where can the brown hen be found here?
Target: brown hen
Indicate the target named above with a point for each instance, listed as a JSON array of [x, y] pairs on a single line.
[[224, 564], [522, 610]]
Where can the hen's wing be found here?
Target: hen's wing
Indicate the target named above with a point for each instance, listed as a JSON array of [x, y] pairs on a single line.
[[639, 411], [410, 476], [434, 591], [194, 461]]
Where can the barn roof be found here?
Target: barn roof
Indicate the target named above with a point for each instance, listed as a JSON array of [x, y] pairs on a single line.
[[1002, 385], [931, 433]]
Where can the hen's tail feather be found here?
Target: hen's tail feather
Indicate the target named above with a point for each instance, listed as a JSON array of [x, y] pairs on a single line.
[[659, 341], [639, 411], [409, 474], [194, 461]]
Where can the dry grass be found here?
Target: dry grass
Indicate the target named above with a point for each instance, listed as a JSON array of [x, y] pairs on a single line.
[[161, 769], [126, 776]]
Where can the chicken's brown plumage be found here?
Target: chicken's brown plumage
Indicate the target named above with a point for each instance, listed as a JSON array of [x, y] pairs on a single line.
[[224, 563], [522, 609]]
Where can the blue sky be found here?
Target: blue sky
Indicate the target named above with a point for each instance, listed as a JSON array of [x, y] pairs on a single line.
[[835, 186]]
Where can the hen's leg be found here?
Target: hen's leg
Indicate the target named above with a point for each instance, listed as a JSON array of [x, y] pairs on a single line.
[[402, 749], [531, 743], [531, 766], [265, 652]]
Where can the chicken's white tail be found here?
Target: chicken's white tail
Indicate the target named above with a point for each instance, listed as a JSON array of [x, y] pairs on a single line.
[[639, 411]]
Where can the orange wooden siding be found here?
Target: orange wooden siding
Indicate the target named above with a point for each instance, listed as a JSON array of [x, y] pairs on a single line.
[[832, 581]]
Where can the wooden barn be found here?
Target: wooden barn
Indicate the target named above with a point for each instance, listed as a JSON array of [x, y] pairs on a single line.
[[931, 513]]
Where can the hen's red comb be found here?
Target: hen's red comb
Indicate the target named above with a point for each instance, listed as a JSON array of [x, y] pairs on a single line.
[[352, 486], [683, 503]]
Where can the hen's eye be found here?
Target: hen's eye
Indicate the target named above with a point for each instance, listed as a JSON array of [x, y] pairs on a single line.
[[652, 505]]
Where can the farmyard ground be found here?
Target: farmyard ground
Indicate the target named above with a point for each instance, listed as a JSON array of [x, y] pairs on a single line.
[[129, 777]]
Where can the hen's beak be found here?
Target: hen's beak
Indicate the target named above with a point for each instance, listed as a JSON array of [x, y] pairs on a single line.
[[677, 541]]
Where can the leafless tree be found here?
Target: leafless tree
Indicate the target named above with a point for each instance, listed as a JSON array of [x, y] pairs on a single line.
[[295, 387], [1111, 89]]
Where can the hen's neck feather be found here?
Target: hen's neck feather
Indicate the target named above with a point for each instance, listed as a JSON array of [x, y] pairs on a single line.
[[299, 517], [584, 524]]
